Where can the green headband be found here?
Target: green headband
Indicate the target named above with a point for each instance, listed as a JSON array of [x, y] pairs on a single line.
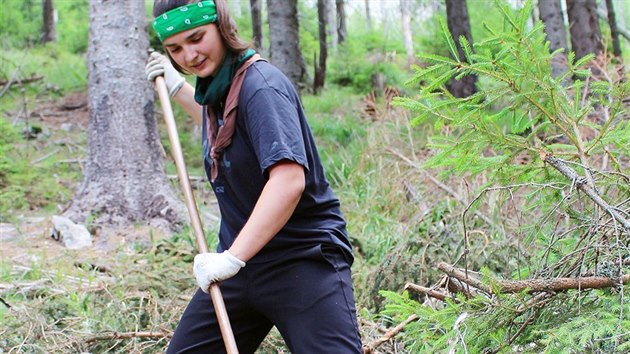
[[184, 18]]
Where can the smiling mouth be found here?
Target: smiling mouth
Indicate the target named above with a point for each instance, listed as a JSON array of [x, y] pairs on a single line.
[[197, 66]]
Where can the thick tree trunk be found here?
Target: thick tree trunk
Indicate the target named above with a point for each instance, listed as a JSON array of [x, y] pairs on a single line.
[[555, 30], [49, 33], [284, 40], [586, 36], [320, 67], [124, 180], [614, 32], [406, 29], [459, 25], [256, 13], [342, 33]]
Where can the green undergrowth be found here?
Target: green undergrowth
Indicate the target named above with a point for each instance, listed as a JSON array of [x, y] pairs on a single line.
[[571, 322], [60, 70], [29, 168], [68, 304]]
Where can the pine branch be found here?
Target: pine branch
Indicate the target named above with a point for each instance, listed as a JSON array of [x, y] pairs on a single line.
[[536, 285], [561, 284], [429, 292], [463, 276], [582, 184]]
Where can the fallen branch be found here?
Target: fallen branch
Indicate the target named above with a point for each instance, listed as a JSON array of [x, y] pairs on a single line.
[[463, 276], [536, 285], [42, 158], [129, 335], [21, 81], [368, 349], [560, 284], [582, 185], [428, 292]]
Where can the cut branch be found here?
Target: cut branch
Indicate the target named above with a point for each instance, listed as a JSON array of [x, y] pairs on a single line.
[[463, 276], [368, 349], [536, 285], [560, 284], [428, 291], [582, 185]]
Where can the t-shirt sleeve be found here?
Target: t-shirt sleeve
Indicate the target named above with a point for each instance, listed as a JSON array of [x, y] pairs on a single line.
[[274, 128]]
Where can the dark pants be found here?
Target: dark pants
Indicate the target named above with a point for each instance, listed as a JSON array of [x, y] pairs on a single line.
[[308, 296]]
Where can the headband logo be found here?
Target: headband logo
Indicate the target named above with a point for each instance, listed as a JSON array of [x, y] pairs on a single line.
[[187, 21]]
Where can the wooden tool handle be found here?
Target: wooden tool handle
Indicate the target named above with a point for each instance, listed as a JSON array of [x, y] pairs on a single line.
[[202, 246]]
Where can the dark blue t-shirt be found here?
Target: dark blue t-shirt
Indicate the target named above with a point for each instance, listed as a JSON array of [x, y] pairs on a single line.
[[271, 126]]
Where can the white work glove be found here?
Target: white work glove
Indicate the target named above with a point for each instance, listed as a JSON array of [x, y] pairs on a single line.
[[160, 65], [214, 267]]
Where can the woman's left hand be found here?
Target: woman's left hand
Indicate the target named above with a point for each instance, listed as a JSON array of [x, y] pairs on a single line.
[[214, 267]]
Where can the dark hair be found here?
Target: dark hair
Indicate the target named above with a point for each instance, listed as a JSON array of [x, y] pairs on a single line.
[[225, 23]]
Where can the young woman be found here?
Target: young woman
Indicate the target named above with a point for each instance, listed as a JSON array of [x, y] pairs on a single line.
[[283, 257]]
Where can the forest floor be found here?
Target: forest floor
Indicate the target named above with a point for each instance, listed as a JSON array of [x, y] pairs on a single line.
[[39, 274]]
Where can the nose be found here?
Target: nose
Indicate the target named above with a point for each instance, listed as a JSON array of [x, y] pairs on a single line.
[[190, 53]]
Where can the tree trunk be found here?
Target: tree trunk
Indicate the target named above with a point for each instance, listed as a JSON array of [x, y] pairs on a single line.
[[368, 15], [124, 178], [341, 21], [331, 26], [555, 30], [459, 25], [584, 27], [320, 67], [257, 23], [406, 28], [284, 40], [49, 12], [614, 32]]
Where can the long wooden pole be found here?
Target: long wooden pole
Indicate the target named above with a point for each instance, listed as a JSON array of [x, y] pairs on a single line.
[[202, 246]]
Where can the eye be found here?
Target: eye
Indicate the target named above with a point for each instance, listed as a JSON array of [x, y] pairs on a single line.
[[196, 39], [175, 50]]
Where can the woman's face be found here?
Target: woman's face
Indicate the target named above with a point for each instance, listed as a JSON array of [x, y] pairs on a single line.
[[199, 50]]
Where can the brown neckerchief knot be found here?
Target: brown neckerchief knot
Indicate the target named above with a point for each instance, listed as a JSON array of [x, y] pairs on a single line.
[[221, 137]]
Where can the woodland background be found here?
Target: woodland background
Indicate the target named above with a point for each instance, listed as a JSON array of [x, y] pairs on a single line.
[[480, 150]]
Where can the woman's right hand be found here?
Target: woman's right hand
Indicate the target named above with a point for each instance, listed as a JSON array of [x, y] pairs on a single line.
[[160, 65]]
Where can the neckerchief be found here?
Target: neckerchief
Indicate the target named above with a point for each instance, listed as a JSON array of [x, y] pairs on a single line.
[[220, 137], [211, 91]]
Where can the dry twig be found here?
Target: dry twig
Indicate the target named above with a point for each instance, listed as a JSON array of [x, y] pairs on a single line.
[[129, 335], [369, 348], [428, 291], [585, 187]]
